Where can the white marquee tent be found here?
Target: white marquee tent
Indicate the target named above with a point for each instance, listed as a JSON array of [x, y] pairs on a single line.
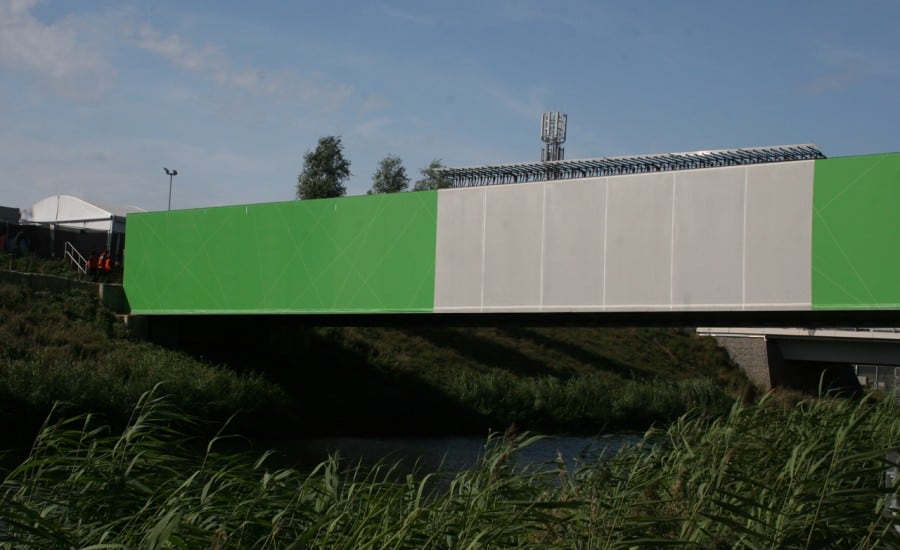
[[66, 212], [72, 212]]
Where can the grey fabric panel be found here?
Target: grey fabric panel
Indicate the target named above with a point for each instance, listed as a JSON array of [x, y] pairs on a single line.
[[574, 214], [512, 264], [740, 239], [638, 241], [708, 241], [778, 257]]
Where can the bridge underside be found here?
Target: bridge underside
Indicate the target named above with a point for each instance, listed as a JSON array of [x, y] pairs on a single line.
[[888, 318]]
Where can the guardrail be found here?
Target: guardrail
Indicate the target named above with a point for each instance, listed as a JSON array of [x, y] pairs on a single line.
[[75, 257]]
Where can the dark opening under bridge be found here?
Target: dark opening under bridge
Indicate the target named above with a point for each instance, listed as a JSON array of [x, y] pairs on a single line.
[[781, 242]]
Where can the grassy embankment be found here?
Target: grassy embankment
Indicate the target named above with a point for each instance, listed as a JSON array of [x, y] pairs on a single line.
[[293, 380], [760, 477]]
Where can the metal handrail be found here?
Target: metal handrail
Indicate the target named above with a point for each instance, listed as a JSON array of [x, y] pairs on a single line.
[[75, 257]]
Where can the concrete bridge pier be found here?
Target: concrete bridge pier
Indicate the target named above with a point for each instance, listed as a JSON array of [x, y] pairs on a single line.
[[756, 355]]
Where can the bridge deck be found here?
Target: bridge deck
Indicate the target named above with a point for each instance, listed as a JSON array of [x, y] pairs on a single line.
[[795, 238]]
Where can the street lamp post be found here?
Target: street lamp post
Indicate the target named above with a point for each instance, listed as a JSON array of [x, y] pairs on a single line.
[[170, 173]]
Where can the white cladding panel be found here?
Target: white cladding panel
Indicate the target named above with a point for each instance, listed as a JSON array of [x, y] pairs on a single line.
[[778, 258], [512, 253], [707, 246], [712, 239], [574, 220], [639, 242], [459, 251]]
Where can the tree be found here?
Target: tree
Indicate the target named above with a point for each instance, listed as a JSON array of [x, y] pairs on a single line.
[[432, 177], [390, 177], [324, 171]]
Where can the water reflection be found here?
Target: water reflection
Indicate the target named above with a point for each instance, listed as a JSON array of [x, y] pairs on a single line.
[[447, 454]]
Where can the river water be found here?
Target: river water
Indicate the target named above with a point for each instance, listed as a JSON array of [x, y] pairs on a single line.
[[447, 454]]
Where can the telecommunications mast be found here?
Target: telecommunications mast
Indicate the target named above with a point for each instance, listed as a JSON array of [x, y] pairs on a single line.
[[553, 134]]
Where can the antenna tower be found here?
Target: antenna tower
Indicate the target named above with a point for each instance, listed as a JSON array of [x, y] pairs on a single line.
[[553, 134]]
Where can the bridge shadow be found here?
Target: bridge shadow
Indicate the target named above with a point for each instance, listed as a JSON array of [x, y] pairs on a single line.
[[334, 389], [468, 343], [575, 352], [521, 351]]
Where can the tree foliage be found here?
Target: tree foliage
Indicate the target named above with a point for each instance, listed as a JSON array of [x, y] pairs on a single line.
[[390, 177], [324, 171], [432, 178]]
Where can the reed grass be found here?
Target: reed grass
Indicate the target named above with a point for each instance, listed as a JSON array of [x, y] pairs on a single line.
[[587, 402], [809, 477]]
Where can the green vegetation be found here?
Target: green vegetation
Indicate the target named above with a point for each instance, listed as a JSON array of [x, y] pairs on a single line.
[[550, 379], [324, 171], [432, 177], [289, 380], [68, 348], [31, 263], [717, 473], [761, 477], [389, 177]]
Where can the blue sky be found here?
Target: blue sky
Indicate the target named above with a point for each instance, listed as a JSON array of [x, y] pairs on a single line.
[[97, 96]]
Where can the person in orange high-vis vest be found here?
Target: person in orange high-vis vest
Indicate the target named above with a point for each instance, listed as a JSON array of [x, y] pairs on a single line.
[[107, 263], [92, 265]]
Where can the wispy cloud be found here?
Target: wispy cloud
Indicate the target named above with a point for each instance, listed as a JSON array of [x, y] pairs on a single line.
[[843, 67], [519, 11], [530, 102], [416, 18], [211, 62], [60, 52], [371, 103], [371, 128]]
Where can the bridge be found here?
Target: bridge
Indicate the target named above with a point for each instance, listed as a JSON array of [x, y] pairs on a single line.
[[739, 238], [803, 241]]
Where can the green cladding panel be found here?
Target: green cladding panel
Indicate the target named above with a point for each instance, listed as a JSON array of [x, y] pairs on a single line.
[[354, 254], [856, 233]]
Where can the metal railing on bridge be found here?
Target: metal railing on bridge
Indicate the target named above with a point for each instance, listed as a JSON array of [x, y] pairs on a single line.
[[618, 166]]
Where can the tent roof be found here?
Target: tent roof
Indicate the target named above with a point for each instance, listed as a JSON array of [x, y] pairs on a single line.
[[59, 208]]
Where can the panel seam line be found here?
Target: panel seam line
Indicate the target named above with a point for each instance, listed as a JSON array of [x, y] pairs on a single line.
[[672, 246], [744, 244], [543, 238], [483, 243]]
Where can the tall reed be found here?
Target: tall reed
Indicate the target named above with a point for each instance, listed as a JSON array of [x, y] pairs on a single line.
[[810, 477]]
